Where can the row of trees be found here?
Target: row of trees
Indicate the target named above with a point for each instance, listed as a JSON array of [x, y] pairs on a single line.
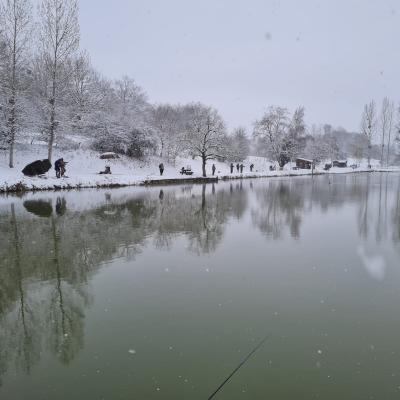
[[279, 135], [33, 78], [282, 136], [49, 88], [382, 126]]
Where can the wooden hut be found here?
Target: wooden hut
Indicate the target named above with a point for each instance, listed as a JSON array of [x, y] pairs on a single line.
[[340, 163], [303, 163]]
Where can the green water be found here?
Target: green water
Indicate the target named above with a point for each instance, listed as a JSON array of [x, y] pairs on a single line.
[[159, 293]]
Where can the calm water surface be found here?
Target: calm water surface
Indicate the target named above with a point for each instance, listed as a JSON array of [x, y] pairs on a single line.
[[159, 293]]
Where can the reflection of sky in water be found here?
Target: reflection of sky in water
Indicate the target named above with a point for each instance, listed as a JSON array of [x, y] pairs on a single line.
[[374, 264]]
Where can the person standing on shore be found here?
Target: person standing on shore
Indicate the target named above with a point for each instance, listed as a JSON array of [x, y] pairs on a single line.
[[213, 169], [232, 166], [59, 166], [161, 168], [251, 167]]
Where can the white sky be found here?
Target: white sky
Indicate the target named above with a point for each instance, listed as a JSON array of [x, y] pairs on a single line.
[[332, 56]]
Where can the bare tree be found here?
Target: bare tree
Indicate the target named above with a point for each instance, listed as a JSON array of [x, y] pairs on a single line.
[[87, 92], [295, 141], [239, 144], [331, 146], [272, 129], [205, 133], [397, 133], [59, 40], [368, 126], [386, 126], [167, 121], [15, 20], [297, 126], [131, 98], [316, 148], [357, 147]]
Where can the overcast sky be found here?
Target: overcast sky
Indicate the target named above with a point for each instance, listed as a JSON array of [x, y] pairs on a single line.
[[242, 56]]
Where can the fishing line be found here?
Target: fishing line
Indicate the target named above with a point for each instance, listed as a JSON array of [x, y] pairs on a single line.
[[238, 367]]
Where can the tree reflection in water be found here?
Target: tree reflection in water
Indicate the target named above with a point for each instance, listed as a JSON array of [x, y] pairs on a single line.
[[46, 257]]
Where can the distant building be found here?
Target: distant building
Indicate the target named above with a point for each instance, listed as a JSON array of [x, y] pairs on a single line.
[[340, 163], [303, 163]]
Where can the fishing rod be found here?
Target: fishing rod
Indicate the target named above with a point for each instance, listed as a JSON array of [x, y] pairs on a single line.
[[238, 367]]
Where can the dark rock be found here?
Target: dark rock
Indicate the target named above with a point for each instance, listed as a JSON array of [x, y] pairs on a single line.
[[38, 167]]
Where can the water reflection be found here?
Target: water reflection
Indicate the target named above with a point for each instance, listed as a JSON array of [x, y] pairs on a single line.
[[47, 258], [40, 208], [280, 205], [374, 264]]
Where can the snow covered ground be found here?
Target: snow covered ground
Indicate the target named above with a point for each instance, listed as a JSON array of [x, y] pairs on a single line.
[[84, 166]]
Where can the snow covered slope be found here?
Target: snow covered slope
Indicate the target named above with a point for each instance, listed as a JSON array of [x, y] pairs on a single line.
[[84, 166]]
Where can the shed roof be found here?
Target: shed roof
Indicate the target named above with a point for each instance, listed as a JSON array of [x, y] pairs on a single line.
[[304, 159]]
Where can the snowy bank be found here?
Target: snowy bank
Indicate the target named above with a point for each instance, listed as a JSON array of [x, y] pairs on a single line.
[[84, 166]]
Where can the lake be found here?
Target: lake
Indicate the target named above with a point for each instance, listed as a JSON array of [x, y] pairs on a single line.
[[159, 293]]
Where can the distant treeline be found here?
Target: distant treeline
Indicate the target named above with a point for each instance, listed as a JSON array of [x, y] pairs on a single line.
[[49, 89]]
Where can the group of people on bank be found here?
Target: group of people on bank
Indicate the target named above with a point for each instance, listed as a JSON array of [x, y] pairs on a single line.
[[188, 170], [60, 168], [240, 168]]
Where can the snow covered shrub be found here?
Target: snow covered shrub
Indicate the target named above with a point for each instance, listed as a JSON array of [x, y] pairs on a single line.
[[136, 143]]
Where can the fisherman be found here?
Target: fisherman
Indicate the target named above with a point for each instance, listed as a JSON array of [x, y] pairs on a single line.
[[237, 167], [107, 171], [59, 166], [161, 168], [241, 168], [251, 167], [232, 166], [213, 169]]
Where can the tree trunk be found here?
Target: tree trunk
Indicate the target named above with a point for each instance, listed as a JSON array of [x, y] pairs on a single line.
[[12, 119], [204, 160], [162, 148], [369, 155], [12, 127], [388, 150], [11, 163], [52, 127], [52, 101], [51, 135]]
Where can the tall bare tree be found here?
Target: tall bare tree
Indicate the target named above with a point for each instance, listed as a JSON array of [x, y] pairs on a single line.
[[397, 133], [272, 130], [16, 23], [239, 144], [87, 93], [167, 122], [369, 125], [205, 133], [59, 40], [386, 126]]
